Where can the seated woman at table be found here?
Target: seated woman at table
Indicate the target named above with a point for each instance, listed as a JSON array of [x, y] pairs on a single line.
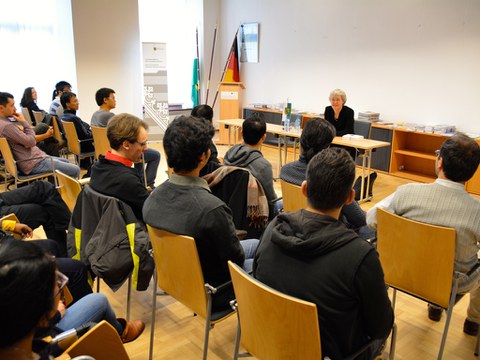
[[340, 116], [316, 136]]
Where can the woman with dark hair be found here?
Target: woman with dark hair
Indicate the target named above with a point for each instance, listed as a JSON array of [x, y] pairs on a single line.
[[30, 291], [43, 129]]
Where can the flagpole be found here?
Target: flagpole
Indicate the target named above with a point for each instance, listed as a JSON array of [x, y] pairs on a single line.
[[225, 68], [211, 62], [198, 69]]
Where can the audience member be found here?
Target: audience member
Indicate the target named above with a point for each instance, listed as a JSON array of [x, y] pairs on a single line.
[[29, 101], [311, 255], [56, 107], [39, 204], [113, 174], [184, 205], [21, 137], [248, 155], [25, 270], [446, 203], [316, 136], [206, 112], [105, 99], [70, 104]]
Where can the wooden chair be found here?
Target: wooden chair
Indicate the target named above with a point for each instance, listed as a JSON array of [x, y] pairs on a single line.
[[183, 279], [102, 145], [293, 198], [38, 115], [274, 325], [73, 142], [69, 188], [57, 134], [102, 342], [26, 115], [12, 168], [418, 259]]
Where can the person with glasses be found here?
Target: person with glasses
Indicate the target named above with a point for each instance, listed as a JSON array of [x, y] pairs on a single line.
[[106, 101], [114, 174], [445, 202], [30, 298]]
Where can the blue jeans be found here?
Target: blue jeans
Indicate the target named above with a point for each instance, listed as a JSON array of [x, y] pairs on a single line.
[[152, 160], [93, 307], [249, 248], [61, 164]]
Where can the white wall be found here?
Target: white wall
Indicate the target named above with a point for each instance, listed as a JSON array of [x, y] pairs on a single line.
[[412, 61], [108, 53]]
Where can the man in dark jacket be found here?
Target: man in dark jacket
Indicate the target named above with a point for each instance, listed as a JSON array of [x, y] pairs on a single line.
[[113, 174], [248, 155], [185, 205], [70, 103], [311, 255]]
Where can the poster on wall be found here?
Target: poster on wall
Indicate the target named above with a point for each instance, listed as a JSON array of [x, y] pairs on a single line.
[[248, 40], [155, 89]]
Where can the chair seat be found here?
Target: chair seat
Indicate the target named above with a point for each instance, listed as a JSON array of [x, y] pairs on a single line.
[[218, 315]]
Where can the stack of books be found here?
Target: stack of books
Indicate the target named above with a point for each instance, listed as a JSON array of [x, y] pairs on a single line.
[[369, 115]]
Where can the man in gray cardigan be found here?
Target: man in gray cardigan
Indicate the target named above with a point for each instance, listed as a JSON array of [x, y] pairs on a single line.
[[446, 203]]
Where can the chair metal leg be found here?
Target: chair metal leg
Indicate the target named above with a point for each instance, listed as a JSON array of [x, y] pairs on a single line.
[[393, 342], [394, 299], [237, 338], [154, 308], [128, 297], [477, 345], [449, 316], [98, 284], [208, 320]]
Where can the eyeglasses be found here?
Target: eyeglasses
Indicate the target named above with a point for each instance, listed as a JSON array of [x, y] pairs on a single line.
[[143, 144], [437, 152], [62, 280]]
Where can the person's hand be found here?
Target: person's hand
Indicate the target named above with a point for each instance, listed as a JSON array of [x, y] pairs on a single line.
[[23, 229], [50, 131], [19, 117], [61, 308]]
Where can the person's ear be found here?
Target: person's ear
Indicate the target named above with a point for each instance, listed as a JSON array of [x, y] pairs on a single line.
[[264, 137], [304, 188], [351, 197], [126, 144]]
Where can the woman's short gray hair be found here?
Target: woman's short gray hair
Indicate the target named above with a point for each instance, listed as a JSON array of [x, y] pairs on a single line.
[[340, 93]]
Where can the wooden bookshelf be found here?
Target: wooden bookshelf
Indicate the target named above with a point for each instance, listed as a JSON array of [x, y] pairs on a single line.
[[413, 154]]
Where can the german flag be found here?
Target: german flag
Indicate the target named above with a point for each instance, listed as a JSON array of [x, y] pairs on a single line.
[[233, 73]]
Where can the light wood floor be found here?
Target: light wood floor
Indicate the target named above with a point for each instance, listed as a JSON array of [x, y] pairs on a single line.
[[179, 335]]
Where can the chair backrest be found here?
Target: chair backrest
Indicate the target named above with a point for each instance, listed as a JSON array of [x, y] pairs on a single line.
[[8, 156], [417, 258], [274, 325], [178, 268], [293, 198], [362, 127], [102, 145], [56, 129], [72, 137], [26, 115], [102, 342], [38, 116], [69, 189]]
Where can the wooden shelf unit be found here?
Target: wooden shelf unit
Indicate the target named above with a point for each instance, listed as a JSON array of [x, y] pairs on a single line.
[[413, 154], [473, 185]]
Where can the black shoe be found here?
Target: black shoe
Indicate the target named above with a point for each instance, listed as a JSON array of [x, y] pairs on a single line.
[[373, 177], [470, 327], [434, 313]]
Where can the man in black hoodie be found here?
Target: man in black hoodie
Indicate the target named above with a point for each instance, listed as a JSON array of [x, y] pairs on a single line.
[[311, 255]]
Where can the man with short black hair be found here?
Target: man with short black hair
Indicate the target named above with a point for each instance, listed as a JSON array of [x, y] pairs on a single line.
[[248, 155], [21, 138], [185, 205], [311, 255], [445, 202], [105, 98], [204, 111]]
